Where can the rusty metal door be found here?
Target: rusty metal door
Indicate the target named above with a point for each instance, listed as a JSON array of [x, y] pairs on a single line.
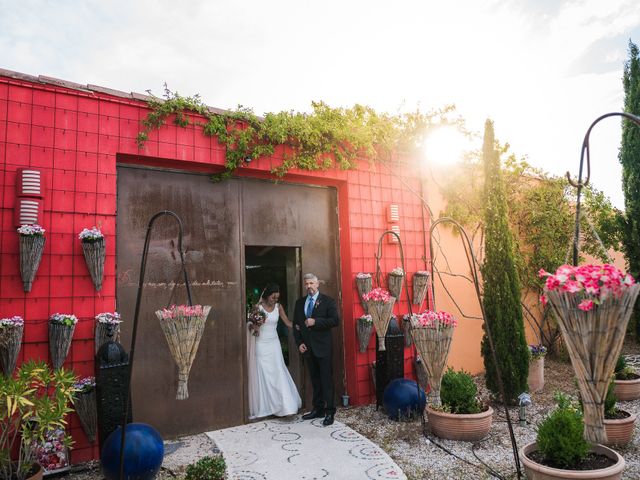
[[210, 214], [219, 221], [291, 215]]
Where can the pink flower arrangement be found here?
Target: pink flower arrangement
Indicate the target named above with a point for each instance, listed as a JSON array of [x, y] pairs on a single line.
[[377, 295], [594, 283], [180, 311], [363, 275], [51, 453], [431, 319], [14, 321]]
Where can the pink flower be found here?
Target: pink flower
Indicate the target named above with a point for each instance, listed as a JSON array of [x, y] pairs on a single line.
[[586, 305], [543, 299], [377, 295]]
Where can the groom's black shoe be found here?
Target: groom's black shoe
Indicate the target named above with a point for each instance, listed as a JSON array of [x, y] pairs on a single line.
[[328, 420], [313, 414]]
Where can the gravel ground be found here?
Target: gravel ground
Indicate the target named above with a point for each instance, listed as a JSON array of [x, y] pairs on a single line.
[[419, 456]]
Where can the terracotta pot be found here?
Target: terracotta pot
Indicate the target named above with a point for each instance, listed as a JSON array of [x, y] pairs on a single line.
[[457, 426], [536, 375], [535, 471], [626, 390], [620, 432], [38, 474]]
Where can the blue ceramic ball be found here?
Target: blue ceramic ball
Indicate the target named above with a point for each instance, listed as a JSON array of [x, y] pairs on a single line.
[[403, 398], [143, 453]]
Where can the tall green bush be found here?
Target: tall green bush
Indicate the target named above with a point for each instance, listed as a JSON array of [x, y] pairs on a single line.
[[501, 298], [630, 159]]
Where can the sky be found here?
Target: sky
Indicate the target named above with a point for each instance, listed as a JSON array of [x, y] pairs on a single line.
[[542, 70]]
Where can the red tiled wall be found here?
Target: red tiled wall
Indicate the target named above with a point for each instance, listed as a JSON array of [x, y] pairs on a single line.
[[73, 137]]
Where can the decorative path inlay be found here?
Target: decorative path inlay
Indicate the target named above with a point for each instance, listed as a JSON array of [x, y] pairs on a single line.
[[294, 449]]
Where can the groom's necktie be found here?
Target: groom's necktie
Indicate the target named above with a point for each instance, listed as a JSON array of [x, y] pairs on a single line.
[[309, 311]]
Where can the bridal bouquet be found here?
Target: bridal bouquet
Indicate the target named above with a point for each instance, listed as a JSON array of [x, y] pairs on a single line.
[[255, 319]]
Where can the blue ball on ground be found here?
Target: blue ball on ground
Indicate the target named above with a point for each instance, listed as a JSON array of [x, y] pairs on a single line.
[[143, 453], [403, 398]]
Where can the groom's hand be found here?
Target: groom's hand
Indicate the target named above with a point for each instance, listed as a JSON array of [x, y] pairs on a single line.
[[302, 348], [310, 322]]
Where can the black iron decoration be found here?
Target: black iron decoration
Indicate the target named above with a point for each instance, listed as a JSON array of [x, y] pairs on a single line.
[[580, 183]]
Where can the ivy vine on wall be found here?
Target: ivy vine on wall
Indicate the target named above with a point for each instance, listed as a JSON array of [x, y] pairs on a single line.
[[325, 138]]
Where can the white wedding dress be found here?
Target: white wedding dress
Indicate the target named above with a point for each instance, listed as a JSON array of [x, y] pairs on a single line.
[[271, 388]]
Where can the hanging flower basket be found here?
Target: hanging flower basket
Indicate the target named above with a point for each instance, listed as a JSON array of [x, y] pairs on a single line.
[[364, 330], [396, 277], [93, 247], [183, 326], [406, 329], [380, 306], [420, 280], [86, 407], [61, 328], [364, 285], [31, 247], [11, 330], [107, 327], [592, 304], [432, 333]]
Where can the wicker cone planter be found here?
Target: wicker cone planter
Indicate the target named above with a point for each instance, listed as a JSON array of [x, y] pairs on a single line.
[[459, 426], [627, 390], [420, 281], [594, 341], [364, 286], [103, 335], [381, 314], [364, 330], [94, 254], [537, 471], [86, 408], [620, 431], [31, 248], [10, 343], [59, 343], [183, 334], [536, 375], [433, 345], [406, 330], [395, 284]]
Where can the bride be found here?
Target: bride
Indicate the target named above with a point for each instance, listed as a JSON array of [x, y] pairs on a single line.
[[271, 388]]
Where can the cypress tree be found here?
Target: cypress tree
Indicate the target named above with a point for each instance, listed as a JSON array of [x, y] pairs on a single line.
[[501, 284], [629, 156]]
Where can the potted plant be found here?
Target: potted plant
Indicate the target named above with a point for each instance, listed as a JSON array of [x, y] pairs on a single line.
[[86, 407], [420, 280], [31, 247], [93, 247], [627, 381], [560, 450], [432, 333], [536, 367], [11, 330], [406, 328], [183, 326], [619, 424], [107, 326], [61, 328], [592, 304], [461, 416], [33, 404], [396, 277], [364, 328], [380, 306], [364, 285]]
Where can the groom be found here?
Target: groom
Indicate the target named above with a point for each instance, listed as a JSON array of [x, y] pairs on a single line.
[[313, 318]]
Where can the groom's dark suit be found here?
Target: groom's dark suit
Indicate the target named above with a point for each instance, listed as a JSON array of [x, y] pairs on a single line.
[[318, 356]]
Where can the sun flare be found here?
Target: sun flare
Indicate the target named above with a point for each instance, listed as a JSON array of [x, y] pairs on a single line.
[[445, 145]]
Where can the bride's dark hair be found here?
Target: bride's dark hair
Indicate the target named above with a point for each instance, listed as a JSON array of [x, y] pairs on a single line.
[[269, 290]]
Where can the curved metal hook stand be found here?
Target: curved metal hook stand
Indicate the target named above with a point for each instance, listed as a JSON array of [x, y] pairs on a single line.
[[379, 256], [143, 267], [474, 272], [580, 184]]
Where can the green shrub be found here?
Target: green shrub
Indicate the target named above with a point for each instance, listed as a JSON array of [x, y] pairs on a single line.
[[610, 401], [458, 392], [560, 437], [624, 371], [207, 468]]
